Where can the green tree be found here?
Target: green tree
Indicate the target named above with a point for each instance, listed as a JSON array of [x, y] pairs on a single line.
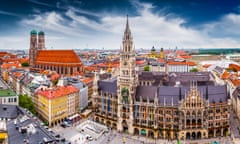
[[25, 64], [147, 68], [26, 102], [194, 70], [55, 82]]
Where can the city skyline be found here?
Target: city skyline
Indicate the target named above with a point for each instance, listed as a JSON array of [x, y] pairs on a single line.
[[99, 24]]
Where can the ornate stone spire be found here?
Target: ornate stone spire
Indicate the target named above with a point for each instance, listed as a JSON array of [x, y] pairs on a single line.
[[127, 26], [127, 38]]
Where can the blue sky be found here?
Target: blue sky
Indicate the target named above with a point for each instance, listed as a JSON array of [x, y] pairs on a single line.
[[70, 24]]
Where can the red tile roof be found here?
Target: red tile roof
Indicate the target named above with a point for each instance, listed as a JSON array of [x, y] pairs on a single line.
[[236, 82], [225, 75], [58, 91], [58, 56], [182, 63], [17, 74], [185, 56], [234, 66], [180, 52], [90, 68], [140, 62], [206, 65], [161, 60], [2, 54], [8, 65], [87, 80]]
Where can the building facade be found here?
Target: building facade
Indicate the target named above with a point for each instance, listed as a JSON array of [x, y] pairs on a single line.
[[7, 96], [178, 105], [55, 105]]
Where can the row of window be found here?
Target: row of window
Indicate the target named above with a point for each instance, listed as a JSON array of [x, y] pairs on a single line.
[[8, 100]]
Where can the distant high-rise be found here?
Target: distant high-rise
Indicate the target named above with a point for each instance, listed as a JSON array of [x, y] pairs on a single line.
[[41, 40]]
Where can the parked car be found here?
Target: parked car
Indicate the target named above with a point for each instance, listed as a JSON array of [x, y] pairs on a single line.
[[88, 137]]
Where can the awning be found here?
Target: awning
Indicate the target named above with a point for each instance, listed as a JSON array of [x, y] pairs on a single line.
[[143, 132]]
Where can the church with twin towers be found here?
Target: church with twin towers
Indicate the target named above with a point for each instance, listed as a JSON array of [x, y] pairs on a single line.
[[173, 105], [64, 62]]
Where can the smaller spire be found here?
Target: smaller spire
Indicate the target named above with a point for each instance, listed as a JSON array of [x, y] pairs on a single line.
[[127, 26]]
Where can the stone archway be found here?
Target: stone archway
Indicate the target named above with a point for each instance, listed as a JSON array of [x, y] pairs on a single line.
[[188, 135], [109, 124], [225, 132], [97, 119], [210, 133], [218, 133], [194, 114], [193, 122], [199, 113], [125, 126], [136, 131], [102, 121], [194, 135], [199, 122], [160, 134], [188, 122], [199, 135], [168, 136], [114, 125], [151, 134]]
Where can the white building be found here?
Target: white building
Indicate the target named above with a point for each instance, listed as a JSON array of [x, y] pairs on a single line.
[[180, 66], [7, 96], [233, 56]]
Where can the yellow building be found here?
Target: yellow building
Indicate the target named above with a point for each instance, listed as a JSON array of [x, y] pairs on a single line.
[[161, 54], [153, 53], [54, 105], [3, 132]]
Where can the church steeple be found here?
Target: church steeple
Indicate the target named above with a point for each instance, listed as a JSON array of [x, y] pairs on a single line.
[[127, 80], [127, 38], [127, 26]]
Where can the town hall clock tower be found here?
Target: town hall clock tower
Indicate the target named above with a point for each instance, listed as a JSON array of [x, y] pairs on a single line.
[[127, 82]]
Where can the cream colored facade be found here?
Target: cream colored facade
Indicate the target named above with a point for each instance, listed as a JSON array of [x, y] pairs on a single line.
[[55, 109]]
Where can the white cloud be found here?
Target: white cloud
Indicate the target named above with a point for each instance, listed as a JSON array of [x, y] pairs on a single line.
[[228, 25], [148, 29]]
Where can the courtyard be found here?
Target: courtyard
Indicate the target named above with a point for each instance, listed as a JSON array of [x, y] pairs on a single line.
[[100, 134]]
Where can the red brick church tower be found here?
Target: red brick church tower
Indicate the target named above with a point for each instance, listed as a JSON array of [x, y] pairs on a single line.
[[33, 48], [64, 62]]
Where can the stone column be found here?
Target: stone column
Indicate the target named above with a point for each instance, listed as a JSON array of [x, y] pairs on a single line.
[[155, 134]]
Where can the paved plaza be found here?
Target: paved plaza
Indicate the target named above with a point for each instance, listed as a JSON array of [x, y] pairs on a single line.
[[75, 136]]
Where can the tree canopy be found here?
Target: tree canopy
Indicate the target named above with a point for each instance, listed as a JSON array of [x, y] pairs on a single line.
[[194, 70], [25, 101], [25, 64], [147, 68]]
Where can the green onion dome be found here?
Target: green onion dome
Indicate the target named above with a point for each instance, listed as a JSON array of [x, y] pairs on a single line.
[[153, 49], [33, 32], [41, 33]]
